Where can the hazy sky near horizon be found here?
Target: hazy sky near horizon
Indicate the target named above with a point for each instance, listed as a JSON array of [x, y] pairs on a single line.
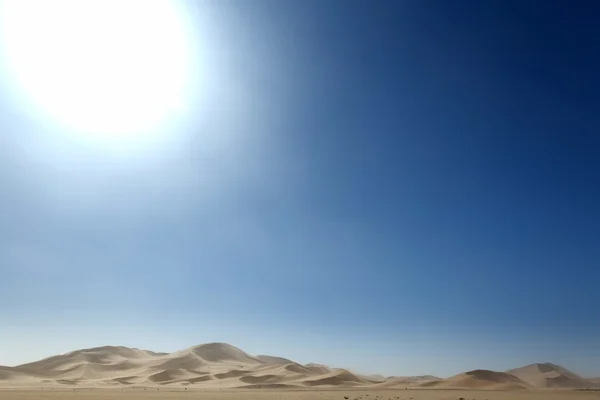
[[396, 187]]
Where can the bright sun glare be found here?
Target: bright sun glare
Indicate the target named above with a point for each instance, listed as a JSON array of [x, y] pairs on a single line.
[[107, 71]]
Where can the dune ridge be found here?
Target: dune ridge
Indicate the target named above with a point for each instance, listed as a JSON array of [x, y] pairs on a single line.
[[274, 360], [221, 365]]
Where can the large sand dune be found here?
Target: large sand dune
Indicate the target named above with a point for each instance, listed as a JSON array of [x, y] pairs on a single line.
[[549, 375], [480, 379], [220, 365]]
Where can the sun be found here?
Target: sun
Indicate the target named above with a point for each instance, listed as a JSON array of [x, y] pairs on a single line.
[[106, 71]]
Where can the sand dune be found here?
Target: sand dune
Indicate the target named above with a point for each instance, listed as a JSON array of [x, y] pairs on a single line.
[[223, 352], [231, 374], [298, 369], [549, 375], [179, 360], [318, 368], [259, 379], [204, 357], [416, 378], [6, 373], [373, 378], [217, 364], [169, 375], [274, 360], [123, 380], [480, 379], [86, 362], [291, 373], [220, 365], [340, 377], [407, 381]]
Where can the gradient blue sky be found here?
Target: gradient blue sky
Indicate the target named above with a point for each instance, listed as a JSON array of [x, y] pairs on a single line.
[[396, 187]]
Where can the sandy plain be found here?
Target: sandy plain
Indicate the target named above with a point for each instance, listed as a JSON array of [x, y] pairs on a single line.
[[287, 394]]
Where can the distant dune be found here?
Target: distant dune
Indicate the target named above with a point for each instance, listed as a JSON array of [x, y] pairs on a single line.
[[407, 381], [549, 375], [480, 379], [374, 378], [220, 365], [417, 378], [340, 377]]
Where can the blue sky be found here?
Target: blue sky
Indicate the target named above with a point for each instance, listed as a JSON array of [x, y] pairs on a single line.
[[396, 187]]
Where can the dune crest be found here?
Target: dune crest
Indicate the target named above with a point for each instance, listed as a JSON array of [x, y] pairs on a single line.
[[274, 360], [222, 352]]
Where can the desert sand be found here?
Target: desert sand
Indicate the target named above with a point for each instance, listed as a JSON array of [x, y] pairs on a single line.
[[278, 394], [220, 366]]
